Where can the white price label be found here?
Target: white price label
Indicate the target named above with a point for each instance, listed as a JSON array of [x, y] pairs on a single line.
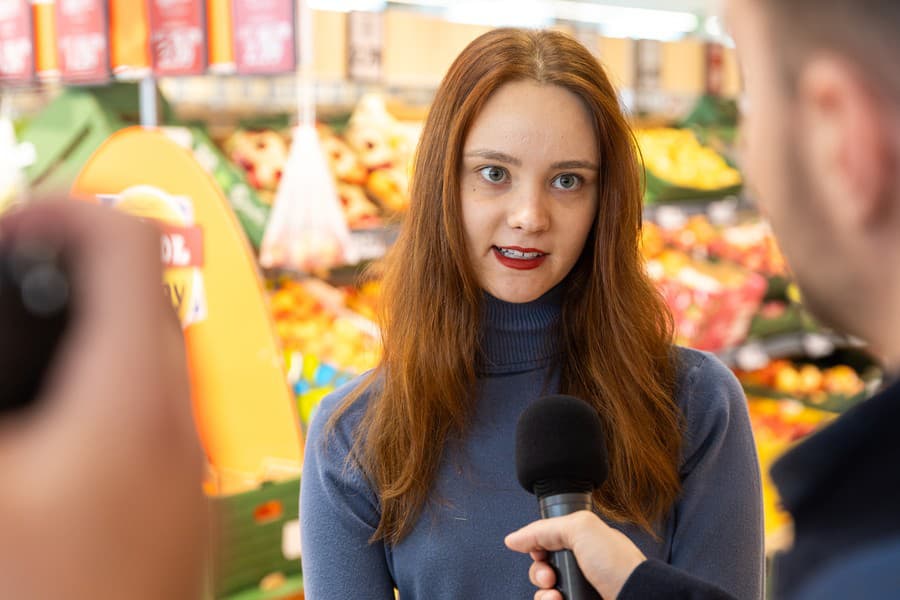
[[264, 45], [176, 48], [751, 357], [83, 52], [15, 55], [368, 245], [365, 46], [291, 545], [817, 345]]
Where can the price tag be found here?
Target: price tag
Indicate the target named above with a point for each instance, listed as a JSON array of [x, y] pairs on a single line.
[[265, 39], [670, 217], [648, 78], [366, 45], [291, 548], [16, 45], [177, 37], [368, 245], [751, 357], [723, 212], [715, 68], [817, 345], [83, 40]]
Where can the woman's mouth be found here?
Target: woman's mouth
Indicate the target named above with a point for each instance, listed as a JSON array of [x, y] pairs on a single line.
[[521, 259]]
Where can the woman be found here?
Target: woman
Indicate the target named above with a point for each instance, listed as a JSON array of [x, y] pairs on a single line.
[[517, 274]]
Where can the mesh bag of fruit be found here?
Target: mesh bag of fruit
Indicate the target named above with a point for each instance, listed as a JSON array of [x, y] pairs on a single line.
[[307, 231]]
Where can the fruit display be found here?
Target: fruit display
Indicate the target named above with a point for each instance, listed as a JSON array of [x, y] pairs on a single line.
[[325, 343], [807, 382], [370, 162], [364, 299], [311, 318], [676, 156], [360, 212], [777, 425], [713, 303], [750, 244], [262, 155]]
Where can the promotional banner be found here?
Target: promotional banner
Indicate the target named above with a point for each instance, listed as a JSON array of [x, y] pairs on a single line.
[[244, 410], [16, 46], [265, 38], [82, 41], [178, 37]]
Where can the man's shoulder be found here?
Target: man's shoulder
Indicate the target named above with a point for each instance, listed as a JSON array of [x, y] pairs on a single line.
[[872, 572]]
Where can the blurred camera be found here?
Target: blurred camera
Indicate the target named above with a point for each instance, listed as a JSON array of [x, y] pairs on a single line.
[[35, 295]]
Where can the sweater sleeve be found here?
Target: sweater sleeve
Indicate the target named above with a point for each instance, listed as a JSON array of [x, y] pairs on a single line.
[[656, 579], [718, 522], [339, 512]]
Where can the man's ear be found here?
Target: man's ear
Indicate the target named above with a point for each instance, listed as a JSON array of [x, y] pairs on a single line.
[[845, 142]]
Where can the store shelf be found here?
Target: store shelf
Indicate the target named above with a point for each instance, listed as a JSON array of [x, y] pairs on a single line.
[[756, 354], [721, 211], [372, 244]]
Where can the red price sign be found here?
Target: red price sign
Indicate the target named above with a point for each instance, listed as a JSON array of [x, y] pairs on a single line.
[[82, 40], [178, 37], [16, 46], [182, 247], [264, 36]]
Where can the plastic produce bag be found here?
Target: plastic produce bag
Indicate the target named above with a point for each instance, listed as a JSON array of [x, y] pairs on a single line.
[[307, 231]]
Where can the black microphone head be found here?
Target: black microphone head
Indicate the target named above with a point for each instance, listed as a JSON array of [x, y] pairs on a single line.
[[560, 447]]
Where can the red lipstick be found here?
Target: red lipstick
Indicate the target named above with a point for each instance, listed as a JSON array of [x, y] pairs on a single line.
[[521, 259]]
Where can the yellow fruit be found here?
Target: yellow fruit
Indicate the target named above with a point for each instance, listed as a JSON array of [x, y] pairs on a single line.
[[810, 379], [787, 380], [676, 156], [843, 380]]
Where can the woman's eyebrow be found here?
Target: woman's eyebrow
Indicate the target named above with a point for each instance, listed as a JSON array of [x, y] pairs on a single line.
[[495, 155]]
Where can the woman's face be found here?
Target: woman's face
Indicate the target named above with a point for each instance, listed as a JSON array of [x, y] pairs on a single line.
[[529, 188]]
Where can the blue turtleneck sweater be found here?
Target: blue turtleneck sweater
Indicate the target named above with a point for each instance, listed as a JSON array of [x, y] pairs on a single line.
[[714, 531]]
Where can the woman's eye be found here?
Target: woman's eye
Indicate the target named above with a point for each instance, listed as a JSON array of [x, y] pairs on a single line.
[[494, 174], [567, 181]]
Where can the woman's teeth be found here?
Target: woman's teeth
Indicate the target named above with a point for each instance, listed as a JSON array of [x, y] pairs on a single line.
[[519, 255]]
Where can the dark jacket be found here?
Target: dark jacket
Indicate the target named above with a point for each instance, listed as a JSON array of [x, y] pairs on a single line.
[[842, 488]]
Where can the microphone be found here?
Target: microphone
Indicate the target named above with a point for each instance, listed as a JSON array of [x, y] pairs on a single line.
[[561, 458], [34, 312]]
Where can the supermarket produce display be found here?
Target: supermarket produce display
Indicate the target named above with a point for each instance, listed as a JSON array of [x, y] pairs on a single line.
[[369, 160]]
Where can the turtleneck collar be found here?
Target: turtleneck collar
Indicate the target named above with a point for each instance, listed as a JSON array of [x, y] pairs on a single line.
[[520, 337]]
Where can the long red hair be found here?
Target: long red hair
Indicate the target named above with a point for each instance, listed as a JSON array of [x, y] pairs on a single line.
[[616, 332]]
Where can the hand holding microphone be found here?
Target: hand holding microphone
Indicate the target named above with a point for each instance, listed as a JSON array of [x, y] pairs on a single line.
[[561, 458]]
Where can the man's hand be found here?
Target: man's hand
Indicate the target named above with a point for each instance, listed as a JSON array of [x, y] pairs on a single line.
[[102, 476], [605, 556]]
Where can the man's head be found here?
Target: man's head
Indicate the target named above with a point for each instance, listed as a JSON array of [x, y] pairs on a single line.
[[822, 141]]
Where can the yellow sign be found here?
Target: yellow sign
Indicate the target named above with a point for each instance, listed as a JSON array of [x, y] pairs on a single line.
[[181, 245], [245, 412]]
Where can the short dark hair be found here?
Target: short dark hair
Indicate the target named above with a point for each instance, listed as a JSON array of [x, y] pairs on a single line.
[[864, 31]]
